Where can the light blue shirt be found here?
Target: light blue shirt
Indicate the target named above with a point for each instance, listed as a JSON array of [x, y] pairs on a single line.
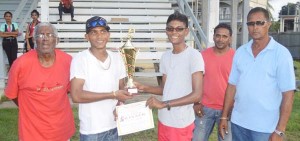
[[259, 83], [2, 27]]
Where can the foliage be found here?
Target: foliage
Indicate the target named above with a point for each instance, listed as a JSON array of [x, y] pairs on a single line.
[[275, 26]]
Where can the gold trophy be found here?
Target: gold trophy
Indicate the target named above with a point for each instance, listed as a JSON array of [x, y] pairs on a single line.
[[129, 52]]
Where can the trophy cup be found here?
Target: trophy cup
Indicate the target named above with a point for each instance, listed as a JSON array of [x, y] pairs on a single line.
[[129, 56]]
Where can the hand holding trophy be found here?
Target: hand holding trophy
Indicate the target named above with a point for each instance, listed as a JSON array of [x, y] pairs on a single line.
[[129, 53]]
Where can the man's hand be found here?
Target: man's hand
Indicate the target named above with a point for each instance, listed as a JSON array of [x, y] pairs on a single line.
[[139, 86], [223, 127], [152, 102], [122, 95], [198, 108]]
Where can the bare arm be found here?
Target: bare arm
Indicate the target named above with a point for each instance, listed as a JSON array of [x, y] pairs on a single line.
[[9, 34], [158, 90], [81, 96], [285, 112], [228, 104], [194, 96]]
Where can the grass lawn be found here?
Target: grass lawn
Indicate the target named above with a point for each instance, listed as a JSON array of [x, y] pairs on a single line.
[[9, 132]]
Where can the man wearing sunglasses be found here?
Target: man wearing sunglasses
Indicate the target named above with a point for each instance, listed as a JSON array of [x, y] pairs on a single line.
[[181, 86], [97, 80], [261, 85]]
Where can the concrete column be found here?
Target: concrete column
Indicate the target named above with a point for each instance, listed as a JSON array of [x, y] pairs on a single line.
[[2, 67], [295, 24], [44, 10], [246, 9], [281, 24], [234, 7], [210, 18]]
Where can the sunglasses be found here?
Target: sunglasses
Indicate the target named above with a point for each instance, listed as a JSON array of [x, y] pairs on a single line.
[[96, 22], [177, 29], [258, 23]]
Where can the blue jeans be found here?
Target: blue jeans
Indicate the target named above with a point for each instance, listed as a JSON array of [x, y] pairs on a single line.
[[110, 135], [205, 125], [242, 134]]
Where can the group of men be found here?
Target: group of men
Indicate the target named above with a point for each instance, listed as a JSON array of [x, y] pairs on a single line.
[[249, 91]]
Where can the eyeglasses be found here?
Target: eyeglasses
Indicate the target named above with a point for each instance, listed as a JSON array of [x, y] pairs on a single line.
[[100, 22], [177, 29], [43, 36], [258, 23]]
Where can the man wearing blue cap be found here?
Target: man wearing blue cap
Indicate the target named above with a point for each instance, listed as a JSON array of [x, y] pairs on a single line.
[[97, 80]]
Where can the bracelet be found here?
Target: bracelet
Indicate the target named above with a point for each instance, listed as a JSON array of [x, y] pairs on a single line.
[[223, 118], [114, 93], [280, 133]]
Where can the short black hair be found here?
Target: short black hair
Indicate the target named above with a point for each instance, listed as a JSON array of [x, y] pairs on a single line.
[[36, 12], [7, 12], [259, 9], [223, 25], [179, 17]]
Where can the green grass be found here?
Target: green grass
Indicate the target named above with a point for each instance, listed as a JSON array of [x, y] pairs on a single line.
[[297, 71], [9, 131]]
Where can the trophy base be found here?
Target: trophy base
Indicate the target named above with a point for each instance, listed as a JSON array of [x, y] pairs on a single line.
[[132, 90]]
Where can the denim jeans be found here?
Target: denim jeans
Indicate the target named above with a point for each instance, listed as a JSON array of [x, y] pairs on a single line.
[[242, 134], [205, 125], [111, 135]]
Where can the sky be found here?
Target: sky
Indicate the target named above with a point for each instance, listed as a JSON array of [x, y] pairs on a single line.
[[277, 4]]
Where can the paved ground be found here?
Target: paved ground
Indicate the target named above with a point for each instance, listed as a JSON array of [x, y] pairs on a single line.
[[140, 97]]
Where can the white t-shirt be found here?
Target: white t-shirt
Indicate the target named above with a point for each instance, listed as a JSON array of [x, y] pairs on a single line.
[[179, 69], [97, 117]]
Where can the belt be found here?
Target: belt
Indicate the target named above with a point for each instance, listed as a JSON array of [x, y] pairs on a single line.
[[9, 38]]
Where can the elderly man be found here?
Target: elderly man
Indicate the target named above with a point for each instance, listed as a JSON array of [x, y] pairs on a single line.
[[38, 83], [261, 85]]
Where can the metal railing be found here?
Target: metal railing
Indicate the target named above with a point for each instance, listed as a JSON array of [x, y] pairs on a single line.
[[200, 38]]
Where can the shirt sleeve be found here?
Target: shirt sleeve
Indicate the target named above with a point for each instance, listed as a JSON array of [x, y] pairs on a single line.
[[77, 68], [12, 89], [234, 73], [121, 66], [16, 26], [162, 67], [2, 28], [197, 63], [285, 72]]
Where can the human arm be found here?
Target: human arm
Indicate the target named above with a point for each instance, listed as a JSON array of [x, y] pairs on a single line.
[[157, 90], [228, 104], [27, 36], [11, 34], [81, 96], [285, 112], [194, 96]]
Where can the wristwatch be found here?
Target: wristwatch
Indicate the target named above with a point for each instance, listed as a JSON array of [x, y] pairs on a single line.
[[168, 105], [281, 134]]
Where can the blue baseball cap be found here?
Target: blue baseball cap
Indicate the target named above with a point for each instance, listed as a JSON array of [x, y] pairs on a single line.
[[96, 21]]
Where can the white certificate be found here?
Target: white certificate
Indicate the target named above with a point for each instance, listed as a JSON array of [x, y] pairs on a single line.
[[133, 118]]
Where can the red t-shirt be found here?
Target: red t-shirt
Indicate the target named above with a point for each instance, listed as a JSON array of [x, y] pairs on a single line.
[[44, 108], [217, 70], [67, 3]]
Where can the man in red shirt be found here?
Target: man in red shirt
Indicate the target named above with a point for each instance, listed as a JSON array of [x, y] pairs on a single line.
[[66, 6], [38, 83], [218, 61]]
